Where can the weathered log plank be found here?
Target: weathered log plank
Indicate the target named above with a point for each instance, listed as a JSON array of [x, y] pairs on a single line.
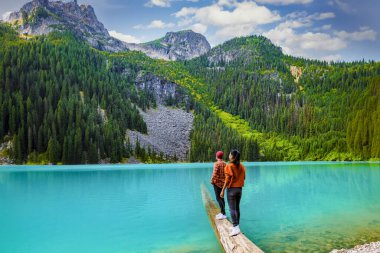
[[231, 244]]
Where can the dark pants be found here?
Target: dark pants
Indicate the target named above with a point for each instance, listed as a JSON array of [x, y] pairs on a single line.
[[233, 198], [221, 202]]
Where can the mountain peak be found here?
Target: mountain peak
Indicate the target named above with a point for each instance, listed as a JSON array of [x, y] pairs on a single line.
[[244, 48], [41, 2], [42, 17], [180, 45], [181, 32]]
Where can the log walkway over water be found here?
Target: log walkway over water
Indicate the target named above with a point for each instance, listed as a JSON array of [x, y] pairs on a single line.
[[235, 244]]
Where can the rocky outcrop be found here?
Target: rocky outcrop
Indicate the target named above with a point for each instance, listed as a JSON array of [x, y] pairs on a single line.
[[373, 247], [133, 160], [296, 73], [6, 161], [168, 132], [42, 17], [4, 150], [182, 45], [164, 92], [220, 56], [168, 128]]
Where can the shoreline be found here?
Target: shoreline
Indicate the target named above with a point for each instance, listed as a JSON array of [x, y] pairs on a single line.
[[373, 247], [261, 163]]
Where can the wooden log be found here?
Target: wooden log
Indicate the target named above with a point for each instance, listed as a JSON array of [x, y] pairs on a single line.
[[231, 244]]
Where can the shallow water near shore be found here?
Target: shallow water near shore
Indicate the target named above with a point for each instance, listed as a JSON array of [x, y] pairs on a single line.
[[286, 207]]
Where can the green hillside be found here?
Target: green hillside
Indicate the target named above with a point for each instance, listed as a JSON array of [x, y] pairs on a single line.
[[236, 131], [312, 113], [62, 101]]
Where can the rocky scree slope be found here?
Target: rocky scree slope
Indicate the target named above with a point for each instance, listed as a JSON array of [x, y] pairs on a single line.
[[169, 127]]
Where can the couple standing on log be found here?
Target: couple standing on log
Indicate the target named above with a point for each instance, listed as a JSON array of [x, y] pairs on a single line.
[[230, 176]]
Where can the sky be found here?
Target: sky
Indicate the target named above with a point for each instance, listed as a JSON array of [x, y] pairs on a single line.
[[338, 30]]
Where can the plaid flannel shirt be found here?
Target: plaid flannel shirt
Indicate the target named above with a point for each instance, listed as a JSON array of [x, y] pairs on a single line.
[[218, 174]]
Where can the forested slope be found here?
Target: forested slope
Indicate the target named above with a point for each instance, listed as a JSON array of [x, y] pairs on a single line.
[[59, 100], [312, 109], [63, 101]]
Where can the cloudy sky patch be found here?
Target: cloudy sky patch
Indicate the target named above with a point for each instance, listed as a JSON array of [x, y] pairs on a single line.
[[327, 29]]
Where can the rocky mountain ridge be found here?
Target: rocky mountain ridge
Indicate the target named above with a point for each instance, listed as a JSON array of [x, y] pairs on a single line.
[[43, 16], [182, 45]]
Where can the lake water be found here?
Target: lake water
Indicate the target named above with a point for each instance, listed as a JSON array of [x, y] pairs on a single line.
[[286, 207]]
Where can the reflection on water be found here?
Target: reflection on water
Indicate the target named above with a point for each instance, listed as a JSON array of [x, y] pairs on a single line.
[[286, 207]]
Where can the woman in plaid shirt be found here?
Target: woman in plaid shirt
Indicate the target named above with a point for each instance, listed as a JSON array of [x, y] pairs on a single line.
[[217, 180]]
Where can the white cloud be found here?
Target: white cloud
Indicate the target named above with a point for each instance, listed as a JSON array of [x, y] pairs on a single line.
[[298, 34], [185, 11], [313, 44], [227, 2], [124, 37], [159, 3], [303, 19], [284, 2], [365, 33], [184, 22], [164, 3], [332, 57], [243, 13], [320, 41], [155, 24], [229, 32], [326, 27], [159, 24], [231, 18], [198, 28], [341, 5], [303, 44], [325, 15], [5, 16]]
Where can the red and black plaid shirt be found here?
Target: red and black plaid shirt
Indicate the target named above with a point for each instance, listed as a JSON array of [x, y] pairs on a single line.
[[218, 174]]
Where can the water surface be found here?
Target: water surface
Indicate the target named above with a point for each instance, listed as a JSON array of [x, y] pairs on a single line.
[[286, 207]]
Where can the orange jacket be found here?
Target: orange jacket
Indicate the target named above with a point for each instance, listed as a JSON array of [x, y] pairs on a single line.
[[234, 175]]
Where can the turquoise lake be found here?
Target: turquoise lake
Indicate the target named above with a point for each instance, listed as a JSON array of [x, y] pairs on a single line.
[[286, 207]]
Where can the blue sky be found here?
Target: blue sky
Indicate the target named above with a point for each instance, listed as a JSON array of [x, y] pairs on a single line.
[[321, 29]]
